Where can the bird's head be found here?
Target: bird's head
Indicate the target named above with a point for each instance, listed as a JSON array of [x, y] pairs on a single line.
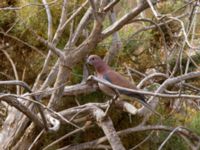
[[97, 62], [94, 60]]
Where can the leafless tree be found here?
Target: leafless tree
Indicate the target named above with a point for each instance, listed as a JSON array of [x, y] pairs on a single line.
[[28, 119]]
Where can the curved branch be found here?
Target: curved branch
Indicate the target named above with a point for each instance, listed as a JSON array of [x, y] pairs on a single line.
[[165, 84], [14, 68], [84, 128], [24, 85], [49, 18], [16, 82], [107, 126], [15, 103], [149, 77], [125, 19], [23, 42], [27, 5], [92, 144], [55, 50], [169, 136], [110, 5]]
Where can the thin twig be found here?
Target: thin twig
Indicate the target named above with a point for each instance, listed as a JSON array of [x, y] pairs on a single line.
[[175, 80], [169, 136], [24, 85], [36, 139], [67, 135], [13, 67]]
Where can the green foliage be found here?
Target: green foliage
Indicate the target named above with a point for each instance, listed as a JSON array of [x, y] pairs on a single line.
[[77, 74], [167, 7], [175, 142], [141, 51], [55, 135], [152, 87], [195, 123], [7, 18], [93, 97], [131, 46]]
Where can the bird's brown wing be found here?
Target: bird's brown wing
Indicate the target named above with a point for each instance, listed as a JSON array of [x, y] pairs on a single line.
[[117, 79]]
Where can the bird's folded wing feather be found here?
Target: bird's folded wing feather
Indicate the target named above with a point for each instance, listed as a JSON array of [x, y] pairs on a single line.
[[117, 79]]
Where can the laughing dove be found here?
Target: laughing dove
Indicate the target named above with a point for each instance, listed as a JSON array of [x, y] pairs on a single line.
[[106, 73]]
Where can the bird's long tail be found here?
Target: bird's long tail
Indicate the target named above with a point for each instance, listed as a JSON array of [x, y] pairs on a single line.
[[139, 98], [147, 105]]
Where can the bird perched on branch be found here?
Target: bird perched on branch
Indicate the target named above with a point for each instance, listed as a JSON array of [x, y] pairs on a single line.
[[106, 73]]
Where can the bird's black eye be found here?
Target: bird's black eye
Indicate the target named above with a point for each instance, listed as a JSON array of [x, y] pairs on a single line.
[[93, 58]]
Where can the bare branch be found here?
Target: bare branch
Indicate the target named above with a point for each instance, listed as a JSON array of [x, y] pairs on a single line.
[[153, 9], [127, 107], [107, 126], [15, 82], [73, 16], [55, 41], [14, 68], [23, 84], [124, 20], [23, 42], [81, 25], [80, 40], [170, 135], [49, 18], [166, 83], [55, 50], [95, 11], [110, 5], [84, 128], [136, 71], [143, 141], [27, 5], [116, 41], [154, 26], [149, 77], [15, 103], [92, 144], [184, 33], [36, 139]]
